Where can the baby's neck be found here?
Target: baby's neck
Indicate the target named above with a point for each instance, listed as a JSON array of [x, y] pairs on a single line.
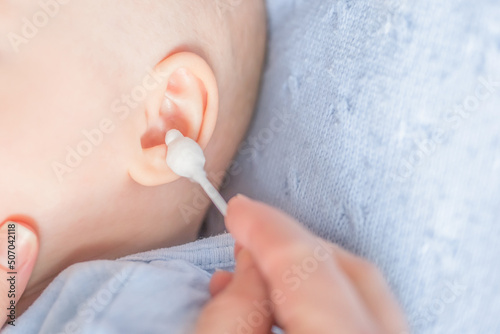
[[45, 273]]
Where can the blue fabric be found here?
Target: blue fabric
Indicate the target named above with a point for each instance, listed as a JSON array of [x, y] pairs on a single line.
[[160, 291], [378, 128]]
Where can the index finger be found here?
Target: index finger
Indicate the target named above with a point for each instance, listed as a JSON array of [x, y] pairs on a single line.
[[275, 239], [297, 264]]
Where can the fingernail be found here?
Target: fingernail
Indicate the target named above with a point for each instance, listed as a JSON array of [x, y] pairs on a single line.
[[243, 197], [236, 198], [18, 246], [239, 197]]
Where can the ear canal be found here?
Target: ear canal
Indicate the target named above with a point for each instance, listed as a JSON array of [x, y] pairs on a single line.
[[184, 100], [187, 100], [170, 117]]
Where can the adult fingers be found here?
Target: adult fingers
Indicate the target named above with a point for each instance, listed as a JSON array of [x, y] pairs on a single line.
[[300, 266], [374, 290], [220, 280]]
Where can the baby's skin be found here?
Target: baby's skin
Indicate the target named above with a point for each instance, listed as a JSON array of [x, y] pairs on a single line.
[[88, 90]]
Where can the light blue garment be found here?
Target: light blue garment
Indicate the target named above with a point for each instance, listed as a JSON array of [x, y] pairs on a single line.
[[357, 135], [161, 291]]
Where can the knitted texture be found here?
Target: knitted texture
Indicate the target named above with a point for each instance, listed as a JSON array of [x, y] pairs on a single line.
[[379, 128]]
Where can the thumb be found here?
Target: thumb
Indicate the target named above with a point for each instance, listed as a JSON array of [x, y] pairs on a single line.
[[18, 253]]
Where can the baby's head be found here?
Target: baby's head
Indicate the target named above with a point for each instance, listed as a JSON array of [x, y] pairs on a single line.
[[88, 90]]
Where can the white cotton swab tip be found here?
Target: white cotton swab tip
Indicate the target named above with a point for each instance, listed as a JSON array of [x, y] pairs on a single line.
[[186, 159]]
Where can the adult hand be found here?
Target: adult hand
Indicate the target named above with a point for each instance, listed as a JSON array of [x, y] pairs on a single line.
[[287, 276], [18, 254]]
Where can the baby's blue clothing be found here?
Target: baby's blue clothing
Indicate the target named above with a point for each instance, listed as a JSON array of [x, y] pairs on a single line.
[[161, 291], [378, 127]]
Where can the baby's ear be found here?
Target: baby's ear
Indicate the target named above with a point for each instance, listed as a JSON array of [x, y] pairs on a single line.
[[187, 100]]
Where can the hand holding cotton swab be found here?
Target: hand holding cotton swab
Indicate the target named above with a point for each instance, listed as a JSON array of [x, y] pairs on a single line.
[[186, 159]]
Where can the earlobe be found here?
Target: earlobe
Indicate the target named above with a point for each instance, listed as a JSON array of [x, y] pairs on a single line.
[[187, 100]]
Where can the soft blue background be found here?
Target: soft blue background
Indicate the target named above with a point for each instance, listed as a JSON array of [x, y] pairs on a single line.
[[358, 87], [359, 136]]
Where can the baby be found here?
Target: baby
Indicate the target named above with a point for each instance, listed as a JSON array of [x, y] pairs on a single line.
[[88, 90]]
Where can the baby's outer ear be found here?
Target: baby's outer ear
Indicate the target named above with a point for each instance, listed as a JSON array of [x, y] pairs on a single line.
[[187, 100]]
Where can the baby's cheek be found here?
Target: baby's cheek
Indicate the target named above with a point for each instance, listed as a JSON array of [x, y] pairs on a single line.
[[26, 187]]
